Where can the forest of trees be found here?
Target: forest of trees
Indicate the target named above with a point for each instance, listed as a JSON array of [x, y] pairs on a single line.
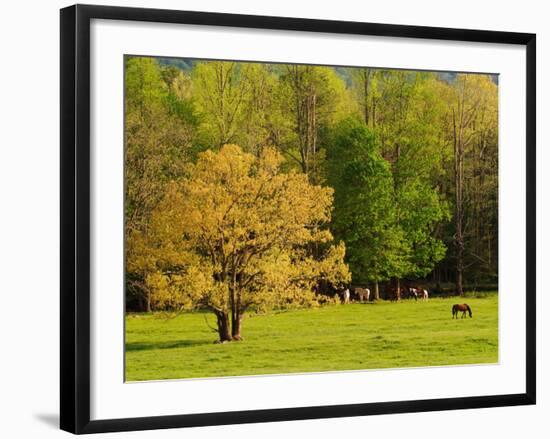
[[249, 184]]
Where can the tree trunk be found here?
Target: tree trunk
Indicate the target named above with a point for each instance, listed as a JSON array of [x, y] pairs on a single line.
[[459, 268], [398, 290], [310, 140], [376, 291], [224, 331], [373, 112], [236, 326], [459, 208], [366, 74], [235, 296]]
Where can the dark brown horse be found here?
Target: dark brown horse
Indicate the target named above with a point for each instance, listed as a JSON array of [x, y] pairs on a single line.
[[464, 307]]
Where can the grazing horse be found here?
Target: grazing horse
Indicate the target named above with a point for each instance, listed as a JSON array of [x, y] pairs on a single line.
[[412, 293], [362, 294], [462, 307]]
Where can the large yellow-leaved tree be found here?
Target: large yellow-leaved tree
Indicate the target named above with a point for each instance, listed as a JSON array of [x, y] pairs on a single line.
[[237, 234]]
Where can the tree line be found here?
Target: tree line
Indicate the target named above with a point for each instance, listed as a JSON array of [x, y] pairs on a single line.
[[247, 184]]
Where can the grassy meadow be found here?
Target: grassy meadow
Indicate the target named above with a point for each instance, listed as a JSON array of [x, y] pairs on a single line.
[[330, 338]]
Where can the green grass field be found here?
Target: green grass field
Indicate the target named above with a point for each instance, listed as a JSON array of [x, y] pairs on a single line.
[[338, 337]]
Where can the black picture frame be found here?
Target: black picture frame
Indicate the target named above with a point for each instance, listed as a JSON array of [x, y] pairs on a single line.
[[75, 217]]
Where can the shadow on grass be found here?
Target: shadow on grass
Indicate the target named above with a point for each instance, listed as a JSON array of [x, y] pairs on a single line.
[[165, 345]]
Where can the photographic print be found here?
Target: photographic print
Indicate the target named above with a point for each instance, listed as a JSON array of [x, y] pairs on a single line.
[[292, 218]]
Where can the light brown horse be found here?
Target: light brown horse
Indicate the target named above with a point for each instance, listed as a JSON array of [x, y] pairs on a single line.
[[363, 294], [464, 307]]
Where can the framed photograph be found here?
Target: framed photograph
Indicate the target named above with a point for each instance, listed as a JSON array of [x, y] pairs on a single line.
[[268, 219]]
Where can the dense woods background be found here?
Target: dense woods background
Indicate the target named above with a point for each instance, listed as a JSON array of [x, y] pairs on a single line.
[[381, 177]]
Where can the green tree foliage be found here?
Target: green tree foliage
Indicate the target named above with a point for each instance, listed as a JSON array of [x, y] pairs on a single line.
[[364, 209], [158, 138], [472, 130], [236, 103], [408, 123], [313, 98], [400, 166]]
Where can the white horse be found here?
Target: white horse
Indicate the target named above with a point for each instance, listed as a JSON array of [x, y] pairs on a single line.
[[346, 295], [423, 294]]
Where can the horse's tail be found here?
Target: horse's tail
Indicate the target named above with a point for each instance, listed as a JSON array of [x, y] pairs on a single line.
[[453, 310], [469, 310]]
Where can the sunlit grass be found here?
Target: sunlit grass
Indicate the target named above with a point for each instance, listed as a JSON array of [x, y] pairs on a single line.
[[340, 337]]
